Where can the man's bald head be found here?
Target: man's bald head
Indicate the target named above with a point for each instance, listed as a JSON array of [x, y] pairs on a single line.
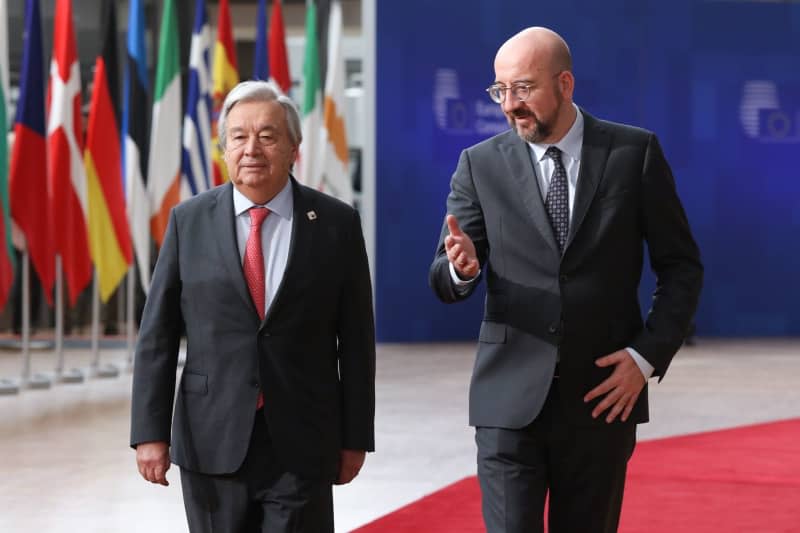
[[537, 46]]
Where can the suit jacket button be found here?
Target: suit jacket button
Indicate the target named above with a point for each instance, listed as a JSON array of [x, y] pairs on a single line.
[[553, 329]]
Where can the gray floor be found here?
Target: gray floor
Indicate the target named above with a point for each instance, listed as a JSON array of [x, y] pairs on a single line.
[[66, 465]]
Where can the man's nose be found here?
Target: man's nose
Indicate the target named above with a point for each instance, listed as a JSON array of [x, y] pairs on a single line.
[[510, 102], [252, 145]]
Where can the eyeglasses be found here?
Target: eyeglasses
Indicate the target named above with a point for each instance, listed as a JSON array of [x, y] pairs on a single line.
[[520, 91]]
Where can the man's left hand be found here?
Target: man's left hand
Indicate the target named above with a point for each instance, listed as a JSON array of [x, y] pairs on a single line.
[[350, 464], [621, 389]]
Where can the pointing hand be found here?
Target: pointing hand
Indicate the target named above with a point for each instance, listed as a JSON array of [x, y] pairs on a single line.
[[461, 250]]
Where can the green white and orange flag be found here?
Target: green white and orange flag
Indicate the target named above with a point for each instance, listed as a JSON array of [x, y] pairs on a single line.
[[310, 153], [164, 163], [225, 76], [6, 247], [109, 233], [334, 167]]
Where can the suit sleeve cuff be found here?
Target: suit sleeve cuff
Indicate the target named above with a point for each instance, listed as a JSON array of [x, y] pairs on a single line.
[[646, 368], [457, 280]]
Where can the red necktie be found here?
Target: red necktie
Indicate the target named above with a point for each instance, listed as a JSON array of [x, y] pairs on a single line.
[[253, 267]]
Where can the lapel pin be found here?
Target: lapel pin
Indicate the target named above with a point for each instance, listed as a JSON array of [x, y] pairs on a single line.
[[311, 215]]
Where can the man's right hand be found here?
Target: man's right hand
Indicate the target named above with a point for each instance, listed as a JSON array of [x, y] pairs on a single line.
[[152, 458], [460, 250]]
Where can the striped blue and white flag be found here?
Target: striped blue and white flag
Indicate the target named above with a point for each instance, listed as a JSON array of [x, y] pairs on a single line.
[[196, 157]]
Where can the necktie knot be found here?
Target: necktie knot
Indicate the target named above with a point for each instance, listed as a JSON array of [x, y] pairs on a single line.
[[554, 153], [257, 216]]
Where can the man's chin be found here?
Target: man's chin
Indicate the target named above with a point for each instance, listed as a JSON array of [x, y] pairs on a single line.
[[252, 178], [528, 134]]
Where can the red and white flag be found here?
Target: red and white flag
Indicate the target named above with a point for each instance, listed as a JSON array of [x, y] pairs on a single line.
[[66, 174], [278, 62]]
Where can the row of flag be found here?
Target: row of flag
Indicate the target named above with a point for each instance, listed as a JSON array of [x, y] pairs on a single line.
[[109, 193]]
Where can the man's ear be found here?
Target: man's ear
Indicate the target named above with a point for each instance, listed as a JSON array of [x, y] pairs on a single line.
[[566, 83]]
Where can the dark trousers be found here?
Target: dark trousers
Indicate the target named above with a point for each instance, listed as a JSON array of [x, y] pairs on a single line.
[[581, 467], [260, 497]]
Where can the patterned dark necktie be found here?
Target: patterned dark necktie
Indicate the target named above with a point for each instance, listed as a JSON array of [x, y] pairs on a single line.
[[557, 202]]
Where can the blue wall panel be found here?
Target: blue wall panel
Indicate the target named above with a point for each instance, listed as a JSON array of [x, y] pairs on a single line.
[[719, 82]]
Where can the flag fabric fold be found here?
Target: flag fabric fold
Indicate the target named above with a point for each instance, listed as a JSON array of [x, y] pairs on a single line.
[[28, 170], [66, 174], [108, 226], [164, 164], [196, 154], [7, 255], [334, 168], [278, 62], [310, 153], [260, 59], [225, 78], [134, 135]]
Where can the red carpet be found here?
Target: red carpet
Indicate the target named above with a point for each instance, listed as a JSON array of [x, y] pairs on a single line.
[[737, 480]]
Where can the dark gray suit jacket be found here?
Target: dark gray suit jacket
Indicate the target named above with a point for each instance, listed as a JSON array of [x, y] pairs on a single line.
[[583, 304], [313, 355]]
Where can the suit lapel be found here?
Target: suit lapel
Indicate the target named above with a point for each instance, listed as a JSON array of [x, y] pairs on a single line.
[[304, 222], [224, 222], [594, 155], [518, 157]]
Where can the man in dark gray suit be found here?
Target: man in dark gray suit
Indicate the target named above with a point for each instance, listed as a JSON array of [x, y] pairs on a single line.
[[554, 214], [268, 281]]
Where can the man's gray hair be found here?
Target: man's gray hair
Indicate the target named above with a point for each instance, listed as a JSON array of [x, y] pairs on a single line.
[[259, 91]]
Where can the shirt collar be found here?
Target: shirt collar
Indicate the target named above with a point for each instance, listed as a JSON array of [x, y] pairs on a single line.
[[570, 145], [280, 205]]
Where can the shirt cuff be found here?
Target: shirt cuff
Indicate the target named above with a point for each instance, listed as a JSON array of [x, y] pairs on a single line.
[[457, 280], [646, 368]]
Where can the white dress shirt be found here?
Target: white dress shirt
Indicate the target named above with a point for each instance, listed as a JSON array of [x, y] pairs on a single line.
[[570, 145], [276, 235]]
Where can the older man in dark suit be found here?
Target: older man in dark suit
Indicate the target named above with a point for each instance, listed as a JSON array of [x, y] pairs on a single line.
[[269, 282], [555, 214]]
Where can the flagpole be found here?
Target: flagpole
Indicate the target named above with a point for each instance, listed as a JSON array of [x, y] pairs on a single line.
[[122, 296], [26, 322], [74, 375], [131, 310], [29, 381], [59, 318], [95, 325], [107, 371]]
